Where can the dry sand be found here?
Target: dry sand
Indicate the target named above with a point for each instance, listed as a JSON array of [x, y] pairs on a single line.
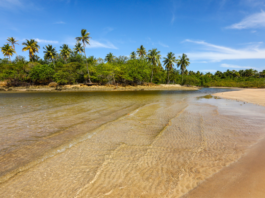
[[246, 177], [255, 96]]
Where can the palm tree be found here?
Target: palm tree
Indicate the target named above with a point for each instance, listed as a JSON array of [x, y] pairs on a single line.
[[133, 55], [109, 57], [49, 53], [8, 51], [32, 46], [84, 38], [12, 42], [141, 51], [153, 57], [169, 63], [92, 60], [65, 52], [78, 48], [183, 62]]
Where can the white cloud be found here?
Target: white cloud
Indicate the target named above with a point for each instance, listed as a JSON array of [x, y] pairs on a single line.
[[162, 44], [46, 41], [59, 22], [11, 3], [253, 21], [237, 66], [218, 53]]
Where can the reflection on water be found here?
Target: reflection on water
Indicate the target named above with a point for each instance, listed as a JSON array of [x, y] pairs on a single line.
[[119, 144]]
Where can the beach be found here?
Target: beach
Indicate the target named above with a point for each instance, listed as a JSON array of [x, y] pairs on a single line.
[[246, 177], [120, 144]]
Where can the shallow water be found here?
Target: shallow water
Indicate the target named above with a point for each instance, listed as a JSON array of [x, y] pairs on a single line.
[[119, 144]]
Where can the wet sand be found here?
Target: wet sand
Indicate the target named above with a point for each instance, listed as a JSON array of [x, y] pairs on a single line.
[[127, 144], [246, 177]]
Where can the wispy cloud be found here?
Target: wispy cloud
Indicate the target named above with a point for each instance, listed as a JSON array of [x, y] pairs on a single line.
[[209, 70], [59, 22], [96, 44], [107, 30], [173, 18], [162, 44], [93, 43], [218, 53], [46, 41], [237, 66], [256, 20], [11, 4], [254, 3]]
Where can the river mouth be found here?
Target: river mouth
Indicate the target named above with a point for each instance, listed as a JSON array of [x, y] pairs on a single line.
[[120, 144]]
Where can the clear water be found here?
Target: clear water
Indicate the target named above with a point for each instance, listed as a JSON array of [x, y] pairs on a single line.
[[119, 144]]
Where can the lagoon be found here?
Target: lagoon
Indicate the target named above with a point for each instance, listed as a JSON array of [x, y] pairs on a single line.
[[120, 144]]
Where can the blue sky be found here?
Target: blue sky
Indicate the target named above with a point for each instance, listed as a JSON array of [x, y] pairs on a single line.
[[215, 34]]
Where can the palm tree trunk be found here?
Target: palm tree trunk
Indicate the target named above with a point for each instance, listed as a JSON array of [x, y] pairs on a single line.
[[182, 77], [30, 56], [167, 76], [87, 66], [152, 74]]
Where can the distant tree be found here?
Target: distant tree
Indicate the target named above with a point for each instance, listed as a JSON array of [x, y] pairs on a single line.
[[121, 59], [12, 41], [84, 38], [133, 55], [183, 62], [65, 52], [169, 63], [153, 57], [110, 58], [50, 53], [141, 51], [32, 46], [78, 48], [8, 51]]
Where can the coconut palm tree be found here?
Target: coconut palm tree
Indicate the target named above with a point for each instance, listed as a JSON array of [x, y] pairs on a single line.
[[133, 55], [8, 51], [141, 51], [12, 41], [78, 48], [32, 46], [169, 63], [84, 38], [65, 52], [92, 60], [49, 53], [109, 58], [153, 57], [183, 62]]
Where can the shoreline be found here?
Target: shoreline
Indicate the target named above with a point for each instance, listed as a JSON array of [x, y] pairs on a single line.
[[246, 176], [84, 88]]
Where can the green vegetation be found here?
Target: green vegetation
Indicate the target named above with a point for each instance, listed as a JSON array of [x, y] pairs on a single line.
[[72, 66]]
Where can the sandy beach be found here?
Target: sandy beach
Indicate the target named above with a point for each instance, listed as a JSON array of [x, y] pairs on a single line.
[[255, 96], [246, 177]]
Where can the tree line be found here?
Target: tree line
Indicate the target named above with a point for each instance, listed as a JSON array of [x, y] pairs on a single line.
[[70, 66]]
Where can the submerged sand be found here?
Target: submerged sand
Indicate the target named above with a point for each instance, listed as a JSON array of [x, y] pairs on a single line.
[[149, 144], [246, 177]]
